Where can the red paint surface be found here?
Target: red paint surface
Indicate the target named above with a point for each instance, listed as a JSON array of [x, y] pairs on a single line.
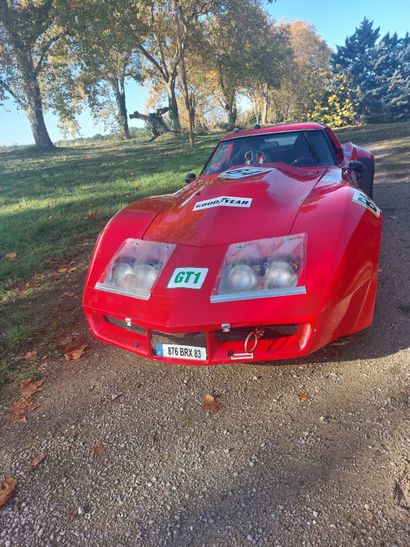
[[343, 240]]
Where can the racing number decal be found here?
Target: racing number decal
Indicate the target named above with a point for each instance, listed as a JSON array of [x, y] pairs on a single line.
[[243, 172], [364, 201], [187, 278]]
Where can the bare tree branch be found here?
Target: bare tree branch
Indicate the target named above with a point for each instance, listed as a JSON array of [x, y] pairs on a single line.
[[10, 91], [152, 60]]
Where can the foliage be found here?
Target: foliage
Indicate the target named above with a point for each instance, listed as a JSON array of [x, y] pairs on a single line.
[[31, 32], [304, 76], [229, 51], [335, 107], [378, 73]]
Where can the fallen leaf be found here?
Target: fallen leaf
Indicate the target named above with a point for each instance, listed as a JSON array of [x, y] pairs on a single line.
[[20, 408], [90, 214], [98, 450], [30, 387], [38, 459], [74, 353], [304, 396], [51, 218], [67, 294], [210, 403], [10, 257], [72, 514], [7, 490], [30, 356]]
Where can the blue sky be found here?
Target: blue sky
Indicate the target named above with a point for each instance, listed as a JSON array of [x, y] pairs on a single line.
[[333, 20]]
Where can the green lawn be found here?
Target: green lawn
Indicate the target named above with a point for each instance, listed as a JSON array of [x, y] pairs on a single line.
[[53, 206]]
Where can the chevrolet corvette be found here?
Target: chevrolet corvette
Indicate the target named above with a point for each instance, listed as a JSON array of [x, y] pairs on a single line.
[[270, 253]]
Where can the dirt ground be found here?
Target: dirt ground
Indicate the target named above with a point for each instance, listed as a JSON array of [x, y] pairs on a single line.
[[267, 469]]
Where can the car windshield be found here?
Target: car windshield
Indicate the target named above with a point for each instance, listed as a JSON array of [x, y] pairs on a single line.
[[298, 148]]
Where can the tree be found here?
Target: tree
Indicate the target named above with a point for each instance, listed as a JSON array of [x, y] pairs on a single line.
[[271, 56], [398, 95], [229, 47], [378, 72], [356, 59], [104, 37], [391, 90], [336, 106], [160, 50], [304, 74], [29, 32]]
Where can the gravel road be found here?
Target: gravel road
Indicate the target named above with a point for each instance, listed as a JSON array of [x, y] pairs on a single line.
[[267, 469]]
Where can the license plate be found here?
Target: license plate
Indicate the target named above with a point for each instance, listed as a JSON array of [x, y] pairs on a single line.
[[181, 352]]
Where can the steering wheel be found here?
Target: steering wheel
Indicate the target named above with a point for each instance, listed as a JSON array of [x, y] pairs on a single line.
[[303, 161]]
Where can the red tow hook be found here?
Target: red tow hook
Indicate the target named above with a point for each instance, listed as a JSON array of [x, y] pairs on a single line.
[[254, 337]]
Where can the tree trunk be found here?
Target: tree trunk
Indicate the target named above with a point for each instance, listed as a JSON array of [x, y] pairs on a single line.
[[153, 121], [265, 110], [256, 108], [232, 112], [173, 112], [34, 111], [181, 50], [119, 92]]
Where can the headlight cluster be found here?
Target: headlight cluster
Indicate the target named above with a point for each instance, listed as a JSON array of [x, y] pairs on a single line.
[[261, 268], [135, 267]]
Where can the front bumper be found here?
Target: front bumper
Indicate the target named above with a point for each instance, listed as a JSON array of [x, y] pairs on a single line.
[[277, 341]]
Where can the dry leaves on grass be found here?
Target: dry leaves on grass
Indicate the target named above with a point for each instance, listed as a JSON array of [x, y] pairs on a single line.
[[30, 387], [67, 294], [98, 450], [30, 356], [210, 403], [20, 409], [38, 459], [303, 395], [7, 490], [90, 214], [74, 353], [11, 257]]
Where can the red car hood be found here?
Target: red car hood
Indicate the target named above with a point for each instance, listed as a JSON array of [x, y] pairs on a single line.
[[263, 205]]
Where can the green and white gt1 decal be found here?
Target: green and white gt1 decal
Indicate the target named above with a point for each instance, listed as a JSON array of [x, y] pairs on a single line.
[[363, 200], [187, 278]]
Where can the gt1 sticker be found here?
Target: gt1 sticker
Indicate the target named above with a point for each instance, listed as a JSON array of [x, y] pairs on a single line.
[[222, 201], [187, 278], [243, 172], [362, 199]]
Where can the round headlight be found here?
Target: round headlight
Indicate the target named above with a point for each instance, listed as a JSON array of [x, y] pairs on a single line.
[[281, 272], [242, 278], [120, 271], [145, 276]]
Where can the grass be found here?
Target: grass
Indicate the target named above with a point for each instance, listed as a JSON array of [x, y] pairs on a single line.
[[52, 207]]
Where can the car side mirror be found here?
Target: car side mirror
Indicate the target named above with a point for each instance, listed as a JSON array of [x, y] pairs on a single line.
[[190, 177], [356, 166]]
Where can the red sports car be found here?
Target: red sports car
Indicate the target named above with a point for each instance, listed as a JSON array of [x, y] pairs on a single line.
[[272, 252]]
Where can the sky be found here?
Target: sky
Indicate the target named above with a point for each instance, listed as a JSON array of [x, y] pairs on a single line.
[[333, 21]]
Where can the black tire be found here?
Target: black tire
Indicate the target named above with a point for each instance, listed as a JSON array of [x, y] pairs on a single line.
[[367, 178]]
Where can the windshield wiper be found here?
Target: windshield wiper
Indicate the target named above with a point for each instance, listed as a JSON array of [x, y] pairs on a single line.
[[312, 149]]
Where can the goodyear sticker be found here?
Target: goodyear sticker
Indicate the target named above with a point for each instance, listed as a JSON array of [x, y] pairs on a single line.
[[222, 201], [187, 278], [363, 200], [243, 172]]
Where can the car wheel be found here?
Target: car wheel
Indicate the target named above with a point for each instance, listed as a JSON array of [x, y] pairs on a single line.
[[367, 178]]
